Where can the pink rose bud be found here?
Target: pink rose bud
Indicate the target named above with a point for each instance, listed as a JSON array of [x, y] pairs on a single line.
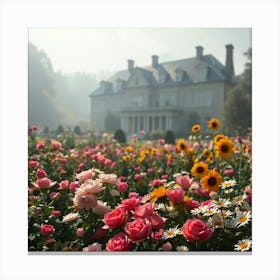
[[184, 181], [150, 170], [33, 163], [40, 173], [166, 246], [229, 172], [137, 177], [100, 233], [55, 195], [63, 185], [95, 247], [40, 145], [56, 213], [164, 176], [122, 187], [80, 232]]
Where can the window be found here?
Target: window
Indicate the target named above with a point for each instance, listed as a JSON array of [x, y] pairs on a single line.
[[201, 73], [202, 98], [137, 101]]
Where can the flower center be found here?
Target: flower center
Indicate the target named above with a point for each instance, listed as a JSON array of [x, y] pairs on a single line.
[[243, 246], [243, 219], [199, 169], [212, 181], [225, 148]]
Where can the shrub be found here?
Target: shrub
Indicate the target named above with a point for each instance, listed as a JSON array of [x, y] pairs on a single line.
[[169, 137], [120, 136]]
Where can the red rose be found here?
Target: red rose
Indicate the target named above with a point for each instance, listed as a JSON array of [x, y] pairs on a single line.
[[191, 204], [115, 218], [139, 229], [47, 230], [197, 230], [119, 242], [130, 203], [41, 173]]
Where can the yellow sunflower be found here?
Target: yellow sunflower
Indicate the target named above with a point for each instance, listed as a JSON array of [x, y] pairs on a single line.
[[206, 153], [196, 128], [214, 124], [218, 137], [224, 148], [212, 181], [182, 146], [127, 158], [199, 169], [158, 193]]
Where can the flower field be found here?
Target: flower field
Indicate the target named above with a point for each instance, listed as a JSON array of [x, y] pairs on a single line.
[[194, 195]]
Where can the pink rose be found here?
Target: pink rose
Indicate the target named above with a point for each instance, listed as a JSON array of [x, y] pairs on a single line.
[[203, 192], [139, 229], [80, 232], [108, 178], [166, 246], [115, 218], [130, 203], [40, 145], [144, 211], [100, 233], [122, 186], [63, 185], [55, 195], [157, 221], [176, 196], [158, 234], [133, 194], [40, 173], [101, 208], [56, 145], [207, 203], [33, 163], [95, 247], [47, 229], [91, 186], [197, 230], [184, 181], [137, 177], [44, 183], [84, 175], [74, 185], [155, 183], [84, 200], [191, 204], [119, 242]]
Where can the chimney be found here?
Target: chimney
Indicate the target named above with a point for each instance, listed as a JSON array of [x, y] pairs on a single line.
[[130, 65], [199, 52], [154, 60], [229, 69]]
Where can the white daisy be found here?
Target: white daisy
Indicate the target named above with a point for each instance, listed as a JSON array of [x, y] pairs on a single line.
[[216, 221], [222, 203], [229, 223], [226, 213], [171, 232], [200, 210], [243, 245], [243, 218], [70, 217], [211, 211], [238, 200], [228, 191], [160, 206], [173, 214], [182, 248], [228, 184]]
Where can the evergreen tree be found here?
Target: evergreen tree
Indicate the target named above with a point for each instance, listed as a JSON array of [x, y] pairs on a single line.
[[169, 137]]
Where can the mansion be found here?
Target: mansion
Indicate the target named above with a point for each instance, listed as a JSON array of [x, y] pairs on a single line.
[[164, 96]]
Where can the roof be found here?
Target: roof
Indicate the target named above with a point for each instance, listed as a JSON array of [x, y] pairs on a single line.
[[215, 72]]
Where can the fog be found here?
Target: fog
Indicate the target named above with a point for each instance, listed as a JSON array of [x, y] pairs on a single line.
[[66, 65]]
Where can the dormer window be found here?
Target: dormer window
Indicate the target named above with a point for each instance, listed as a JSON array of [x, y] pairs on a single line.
[[119, 85], [180, 75], [201, 73]]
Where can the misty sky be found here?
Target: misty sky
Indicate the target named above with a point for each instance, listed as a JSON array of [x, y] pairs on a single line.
[[107, 49]]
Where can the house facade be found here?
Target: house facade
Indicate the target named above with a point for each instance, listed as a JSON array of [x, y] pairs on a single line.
[[164, 96]]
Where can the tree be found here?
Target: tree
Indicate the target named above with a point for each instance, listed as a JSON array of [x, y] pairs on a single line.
[[77, 130], [42, 106], [237, 110]]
